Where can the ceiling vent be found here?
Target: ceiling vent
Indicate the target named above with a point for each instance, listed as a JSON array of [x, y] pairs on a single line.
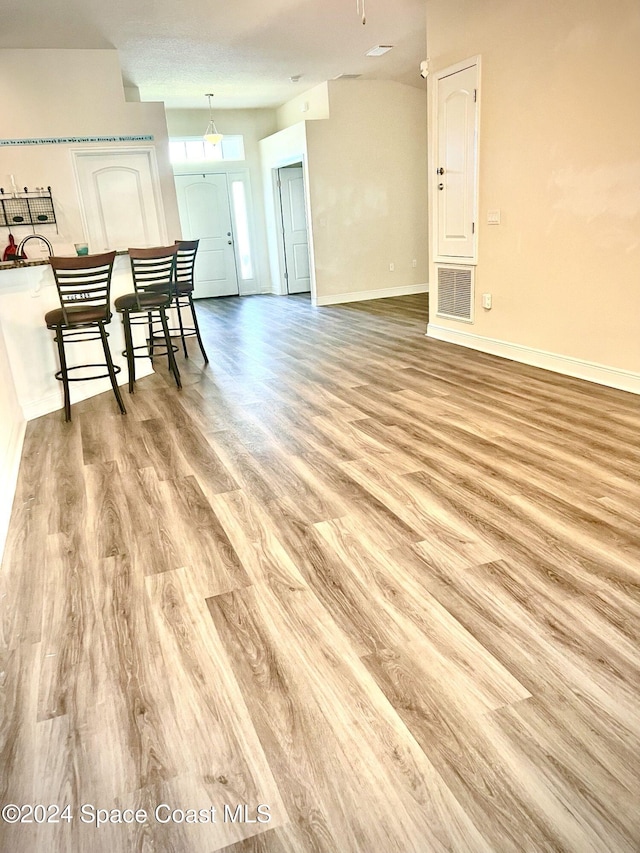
[[348, 77], [455, 293], [379, 49]]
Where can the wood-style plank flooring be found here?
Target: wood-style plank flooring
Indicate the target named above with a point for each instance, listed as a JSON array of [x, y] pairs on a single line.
[[385, 586]]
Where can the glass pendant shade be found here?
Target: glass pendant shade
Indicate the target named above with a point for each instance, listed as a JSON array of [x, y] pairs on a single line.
[[211, 134]]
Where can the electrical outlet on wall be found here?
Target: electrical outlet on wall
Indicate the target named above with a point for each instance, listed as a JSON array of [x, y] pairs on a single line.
[[486, 301], [392, 267]]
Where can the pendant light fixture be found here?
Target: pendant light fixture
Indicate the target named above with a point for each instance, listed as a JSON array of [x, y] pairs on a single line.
[[211, 133]]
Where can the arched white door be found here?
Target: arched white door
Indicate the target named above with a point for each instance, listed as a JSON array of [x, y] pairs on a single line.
[[203, 202], [456, 164], [120, 198]]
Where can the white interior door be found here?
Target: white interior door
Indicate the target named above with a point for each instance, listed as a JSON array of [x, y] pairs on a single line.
[[456, 164], [203, 202], [294, 227], [119, 199]]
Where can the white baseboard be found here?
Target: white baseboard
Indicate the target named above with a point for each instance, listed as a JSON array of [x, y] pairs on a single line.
[[362, 295], [613, 377], [10, 465], [53, 402]]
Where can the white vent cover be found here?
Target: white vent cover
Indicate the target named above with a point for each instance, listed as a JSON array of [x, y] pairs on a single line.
[[455, 292]]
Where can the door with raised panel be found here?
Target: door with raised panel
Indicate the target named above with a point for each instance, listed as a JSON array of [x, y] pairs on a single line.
[[294, 229], [456, 164], [119, 199], [205, 215]]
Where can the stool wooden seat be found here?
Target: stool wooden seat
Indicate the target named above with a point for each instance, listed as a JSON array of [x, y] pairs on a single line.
[[84, 287], [142, 301], [153, 272]]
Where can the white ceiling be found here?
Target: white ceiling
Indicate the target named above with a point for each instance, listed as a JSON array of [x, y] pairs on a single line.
[[244, 52]]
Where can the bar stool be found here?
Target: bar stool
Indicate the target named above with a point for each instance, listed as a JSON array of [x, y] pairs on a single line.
[[153, 272], [183, 293], [84, 285]]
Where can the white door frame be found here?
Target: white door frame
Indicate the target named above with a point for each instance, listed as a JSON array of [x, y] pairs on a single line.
[[150, 151], [246, 287], [433, 165], [294, 160]]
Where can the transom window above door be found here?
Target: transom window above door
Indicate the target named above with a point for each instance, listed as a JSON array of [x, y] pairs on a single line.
[[193, 149]]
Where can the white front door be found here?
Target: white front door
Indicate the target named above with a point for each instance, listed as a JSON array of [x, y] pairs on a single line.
[[294, 227], [203, 202], [119, 199], [456, 164]]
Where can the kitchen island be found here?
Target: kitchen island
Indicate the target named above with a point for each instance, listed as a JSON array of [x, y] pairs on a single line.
[[27, 292]]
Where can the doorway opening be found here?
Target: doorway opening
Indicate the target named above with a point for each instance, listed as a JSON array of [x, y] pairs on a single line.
[[294, 243]]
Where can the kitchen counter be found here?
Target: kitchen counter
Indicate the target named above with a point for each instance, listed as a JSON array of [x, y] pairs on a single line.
[[36, 262], [25, 262], [27, 292]]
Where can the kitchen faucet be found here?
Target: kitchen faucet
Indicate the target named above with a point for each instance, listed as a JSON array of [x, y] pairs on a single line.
[[34, 237]]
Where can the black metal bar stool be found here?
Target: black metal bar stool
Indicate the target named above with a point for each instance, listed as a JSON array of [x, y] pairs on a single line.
[[153, 272], [183, 293], [84, 285]]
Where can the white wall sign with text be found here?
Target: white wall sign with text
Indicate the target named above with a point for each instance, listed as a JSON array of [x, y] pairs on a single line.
[[67, 140]]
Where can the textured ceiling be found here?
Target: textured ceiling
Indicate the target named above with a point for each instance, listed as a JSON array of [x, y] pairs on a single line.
[[244, 52]]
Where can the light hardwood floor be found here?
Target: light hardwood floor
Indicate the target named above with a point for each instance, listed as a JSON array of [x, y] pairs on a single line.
[[386, 586]]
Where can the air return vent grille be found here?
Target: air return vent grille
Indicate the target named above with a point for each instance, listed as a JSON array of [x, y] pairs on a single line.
[[455, 292]]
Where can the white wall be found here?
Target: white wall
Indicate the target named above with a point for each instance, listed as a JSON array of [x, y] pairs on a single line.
[[368, 191], [12, 427], [253, 125], [57, 93], [560, 158]]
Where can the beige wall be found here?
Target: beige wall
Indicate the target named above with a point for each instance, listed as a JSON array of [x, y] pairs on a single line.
[[72, 93], [560, 157], [309, 106], [368, 190], [253, 125]]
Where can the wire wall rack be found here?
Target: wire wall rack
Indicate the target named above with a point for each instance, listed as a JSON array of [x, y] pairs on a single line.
[[28, 207]]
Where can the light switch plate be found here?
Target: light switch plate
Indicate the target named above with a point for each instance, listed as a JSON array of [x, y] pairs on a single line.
[[493, 217]]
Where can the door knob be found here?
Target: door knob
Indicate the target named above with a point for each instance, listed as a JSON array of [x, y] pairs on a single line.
[[440, 186], [440, 171], [229, 242]]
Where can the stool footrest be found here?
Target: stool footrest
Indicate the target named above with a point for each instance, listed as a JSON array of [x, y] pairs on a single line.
[[146, 353], [116, 369], [188, 332]]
